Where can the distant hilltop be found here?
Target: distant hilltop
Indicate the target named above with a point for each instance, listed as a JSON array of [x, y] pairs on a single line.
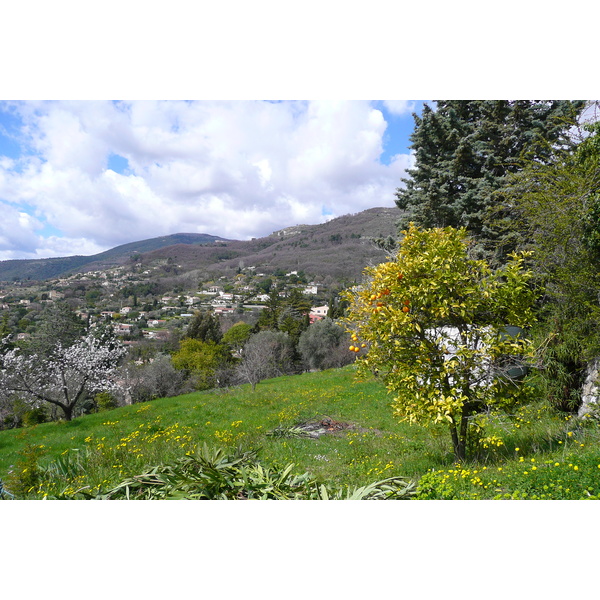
[[338, 248]]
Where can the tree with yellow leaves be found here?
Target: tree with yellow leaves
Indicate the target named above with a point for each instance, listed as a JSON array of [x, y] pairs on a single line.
[[437, 326]]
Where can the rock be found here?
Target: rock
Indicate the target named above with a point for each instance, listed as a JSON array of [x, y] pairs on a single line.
[[589, 392]]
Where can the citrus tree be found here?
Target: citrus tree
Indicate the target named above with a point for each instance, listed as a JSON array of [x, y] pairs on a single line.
[[433, 322]]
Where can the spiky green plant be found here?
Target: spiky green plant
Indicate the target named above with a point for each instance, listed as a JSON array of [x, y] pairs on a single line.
[[215, 475]]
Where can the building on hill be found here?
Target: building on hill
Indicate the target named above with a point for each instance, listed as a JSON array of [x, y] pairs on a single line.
[[156, 322], [123, 328], [318, 312]]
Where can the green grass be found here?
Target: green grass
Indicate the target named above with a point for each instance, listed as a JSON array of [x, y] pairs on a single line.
[[98, 451]]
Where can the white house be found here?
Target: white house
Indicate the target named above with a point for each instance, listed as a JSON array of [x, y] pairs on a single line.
[[318, 312], [310, 289]]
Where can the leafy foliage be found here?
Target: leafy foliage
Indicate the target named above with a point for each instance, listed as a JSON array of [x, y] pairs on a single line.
[[237, 335], [215, 475], [554, 210], [205, 327], [201, 360], [433, 323], [324, 345]]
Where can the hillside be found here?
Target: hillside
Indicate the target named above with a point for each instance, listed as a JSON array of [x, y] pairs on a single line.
[[544, 455], [340, 249], [48, 268]]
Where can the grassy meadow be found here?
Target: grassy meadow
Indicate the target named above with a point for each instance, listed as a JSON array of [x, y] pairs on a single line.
[[534, 453]]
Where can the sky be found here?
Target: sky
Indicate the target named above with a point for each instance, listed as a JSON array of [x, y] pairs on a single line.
[[83, 176]]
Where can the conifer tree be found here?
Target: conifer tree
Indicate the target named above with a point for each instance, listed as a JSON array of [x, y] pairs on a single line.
[[464, 151], [205, 326]]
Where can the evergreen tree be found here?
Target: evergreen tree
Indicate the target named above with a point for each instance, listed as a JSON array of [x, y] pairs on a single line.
[[269, 316], [205, 327], [4, 326], [464, 151]]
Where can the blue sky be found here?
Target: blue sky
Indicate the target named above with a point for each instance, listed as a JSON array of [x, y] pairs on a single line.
[[78, 177]]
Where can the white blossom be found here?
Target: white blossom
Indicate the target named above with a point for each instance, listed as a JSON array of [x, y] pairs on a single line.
[[65, 377]]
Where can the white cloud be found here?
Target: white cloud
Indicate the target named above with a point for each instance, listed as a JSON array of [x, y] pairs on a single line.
[[400, 107], [237, 169]]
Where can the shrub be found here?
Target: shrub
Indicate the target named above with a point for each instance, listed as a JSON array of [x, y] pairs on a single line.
[[35, 416], [324, 345], [26, 474], [156, 379], [105, 401]]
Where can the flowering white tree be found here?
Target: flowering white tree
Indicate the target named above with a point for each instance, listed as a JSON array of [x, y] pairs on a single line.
[[65, 377]]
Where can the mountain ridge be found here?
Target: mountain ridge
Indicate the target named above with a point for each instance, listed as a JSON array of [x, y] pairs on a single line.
[[339, 247], [48, 268]]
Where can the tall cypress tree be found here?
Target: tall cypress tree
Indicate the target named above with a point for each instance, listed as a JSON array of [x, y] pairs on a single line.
[[464, 151]]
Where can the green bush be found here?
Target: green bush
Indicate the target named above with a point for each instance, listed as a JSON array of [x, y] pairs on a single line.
[[433, 486], [35, 416], [26, 474], [104, 401]]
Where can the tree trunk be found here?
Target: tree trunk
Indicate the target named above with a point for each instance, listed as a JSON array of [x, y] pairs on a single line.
[[464, 424], [68, 411], [459, 453], [459, 438], [66, 408]]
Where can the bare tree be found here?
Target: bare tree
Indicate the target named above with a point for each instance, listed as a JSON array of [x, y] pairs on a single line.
[[266, 354], [155, 379]]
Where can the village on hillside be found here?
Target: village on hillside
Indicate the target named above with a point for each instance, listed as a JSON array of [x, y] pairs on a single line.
[[132, 300]]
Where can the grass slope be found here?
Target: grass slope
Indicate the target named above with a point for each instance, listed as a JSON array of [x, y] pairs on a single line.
[[544, 455]]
